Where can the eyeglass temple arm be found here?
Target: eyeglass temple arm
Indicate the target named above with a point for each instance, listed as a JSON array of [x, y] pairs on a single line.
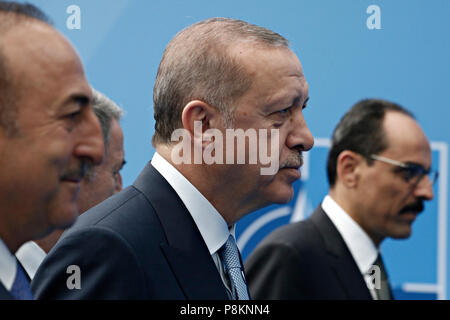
[[387, 160]]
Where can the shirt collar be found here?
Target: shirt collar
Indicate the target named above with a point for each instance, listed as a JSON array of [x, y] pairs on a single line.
[[8, 265], [358, 242], [30, 256], [210, 223]]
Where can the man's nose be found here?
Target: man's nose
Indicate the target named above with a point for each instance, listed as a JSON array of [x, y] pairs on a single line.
[[299, 136], [424, 189], [90, 143]]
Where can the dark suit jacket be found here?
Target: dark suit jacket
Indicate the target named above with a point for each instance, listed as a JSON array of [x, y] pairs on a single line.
[[139, 244], [305, 260], [4, 294]]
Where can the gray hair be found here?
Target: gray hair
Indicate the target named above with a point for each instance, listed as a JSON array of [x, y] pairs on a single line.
[[106, 111], [196, 64]]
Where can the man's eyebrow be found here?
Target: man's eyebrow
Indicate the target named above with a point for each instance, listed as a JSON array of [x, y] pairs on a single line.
[[79, 98], [306, 101], [415, 164], [284, 102], [297, 100]]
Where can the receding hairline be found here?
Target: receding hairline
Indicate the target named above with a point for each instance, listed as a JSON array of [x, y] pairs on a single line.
[[26, 10], [391, 130], [223, 33], [32, 27], [9, 20]]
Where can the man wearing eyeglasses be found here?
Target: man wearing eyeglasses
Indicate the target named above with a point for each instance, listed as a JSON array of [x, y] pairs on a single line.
[[379, 171]]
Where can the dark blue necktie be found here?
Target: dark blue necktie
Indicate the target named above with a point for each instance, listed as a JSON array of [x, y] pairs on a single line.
[[384, 293], [21, 287]]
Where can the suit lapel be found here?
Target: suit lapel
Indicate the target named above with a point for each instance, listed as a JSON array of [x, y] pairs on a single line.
[[185, 249], [345, 267]]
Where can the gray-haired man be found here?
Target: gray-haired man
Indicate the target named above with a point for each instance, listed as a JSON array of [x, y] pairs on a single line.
[[48, 134], [171, 234]]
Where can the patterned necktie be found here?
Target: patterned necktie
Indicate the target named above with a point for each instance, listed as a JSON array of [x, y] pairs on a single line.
[[21, 287], [384, 293], [229, 254]]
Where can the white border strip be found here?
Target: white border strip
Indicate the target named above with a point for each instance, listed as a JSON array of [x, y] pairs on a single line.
[[420, 287], [442, 147], [322, 142]]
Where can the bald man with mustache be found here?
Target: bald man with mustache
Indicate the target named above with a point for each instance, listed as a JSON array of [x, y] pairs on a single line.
[[379, 179]]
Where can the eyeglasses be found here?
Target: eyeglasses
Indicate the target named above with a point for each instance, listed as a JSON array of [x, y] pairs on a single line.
[[413, 172]]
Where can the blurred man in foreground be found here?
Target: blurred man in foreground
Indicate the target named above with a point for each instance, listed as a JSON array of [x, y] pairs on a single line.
[[48, 135], [99, 183]]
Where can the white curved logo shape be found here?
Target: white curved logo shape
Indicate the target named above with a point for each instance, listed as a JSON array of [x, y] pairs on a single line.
[[259, 223]]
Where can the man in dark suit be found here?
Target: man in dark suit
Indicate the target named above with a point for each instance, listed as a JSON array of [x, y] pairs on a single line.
[[99, 183], [379, 178], [48, 134], [171, 234]]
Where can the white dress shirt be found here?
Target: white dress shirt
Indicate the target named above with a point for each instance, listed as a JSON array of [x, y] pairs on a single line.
[[8, 266], [210, 223], [30, 256], [358, 242]]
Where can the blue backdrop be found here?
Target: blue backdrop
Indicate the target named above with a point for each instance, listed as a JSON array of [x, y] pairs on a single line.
[[349, 51]]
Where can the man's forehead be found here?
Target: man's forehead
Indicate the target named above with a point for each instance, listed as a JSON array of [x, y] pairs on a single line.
[[28, 28], [33, 43], [266, 65], [41, 59], [406, 139]]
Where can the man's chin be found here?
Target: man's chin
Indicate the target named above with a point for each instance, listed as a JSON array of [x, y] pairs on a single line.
[[402, 233], [282, 195], [68, 223], [402, 236], [65, 217], [408, 217]]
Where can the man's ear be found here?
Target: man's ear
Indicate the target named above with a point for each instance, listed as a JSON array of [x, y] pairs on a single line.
[[349, 168], [199, 116]]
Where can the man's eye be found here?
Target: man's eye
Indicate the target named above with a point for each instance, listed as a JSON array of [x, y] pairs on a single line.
[[73, 115], [413, 172], [409, 174], [283, 112]]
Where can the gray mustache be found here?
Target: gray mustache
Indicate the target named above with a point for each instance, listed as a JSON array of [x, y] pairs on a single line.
[[75, 173], [293, 160]]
